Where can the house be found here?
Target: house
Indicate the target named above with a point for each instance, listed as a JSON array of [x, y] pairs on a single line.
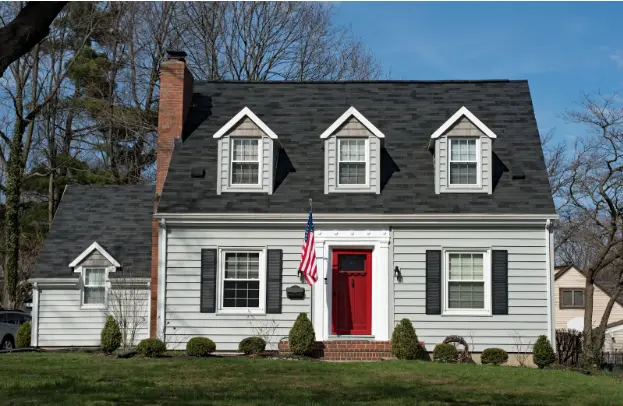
[[569, 284], [430, 201]]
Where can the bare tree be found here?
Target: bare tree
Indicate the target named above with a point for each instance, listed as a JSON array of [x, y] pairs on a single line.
[[259, 41], [30, 26], [128, 305], [592, 207]]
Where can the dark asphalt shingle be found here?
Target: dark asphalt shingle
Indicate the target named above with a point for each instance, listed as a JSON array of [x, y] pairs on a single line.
[[117, 217], [406, 112]]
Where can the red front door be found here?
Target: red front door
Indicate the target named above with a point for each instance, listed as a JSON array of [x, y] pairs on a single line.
[[352, 292]]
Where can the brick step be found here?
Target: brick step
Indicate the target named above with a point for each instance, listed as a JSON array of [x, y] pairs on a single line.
[[347, 350]]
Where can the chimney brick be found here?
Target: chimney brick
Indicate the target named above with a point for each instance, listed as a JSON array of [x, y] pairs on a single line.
[[176, 88]]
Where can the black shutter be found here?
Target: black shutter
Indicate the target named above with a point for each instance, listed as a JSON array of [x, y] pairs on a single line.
[[208, 280], [433, 282], [274, 266], [499, 281]]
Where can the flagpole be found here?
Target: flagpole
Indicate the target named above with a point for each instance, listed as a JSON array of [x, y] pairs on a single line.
[[311, 288]]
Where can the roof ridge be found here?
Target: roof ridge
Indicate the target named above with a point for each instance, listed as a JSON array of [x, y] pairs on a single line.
[[327, 82]]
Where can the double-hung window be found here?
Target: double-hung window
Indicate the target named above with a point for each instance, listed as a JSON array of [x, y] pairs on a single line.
[[94, 287], [463, 161], [466, 282], [352, 165], [242, 281], [245, 161], [572, 298]]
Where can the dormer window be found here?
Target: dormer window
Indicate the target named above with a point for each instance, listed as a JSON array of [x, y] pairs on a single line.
[[245, 161], [463, 161], [248, 152], [352, 161], [463, 150], [352, 146]]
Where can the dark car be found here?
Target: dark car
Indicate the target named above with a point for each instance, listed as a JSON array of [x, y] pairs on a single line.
[[10, 321]]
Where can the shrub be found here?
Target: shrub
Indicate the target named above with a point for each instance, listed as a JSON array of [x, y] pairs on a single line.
[[405, 344], [200, 347], [151, 347], [568, 347], [543, 353], [111, 336], [22, 338], [252, 345], [495, 356], [445, 353], [302, 337]]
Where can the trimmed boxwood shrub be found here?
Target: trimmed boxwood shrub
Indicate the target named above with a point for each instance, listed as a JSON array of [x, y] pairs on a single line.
[[151, 347], [302, 337], [200, 347], [495, 356], [22, 338], [252, 345], [111, 336], [405, 344], [543, 353], [445, 353]]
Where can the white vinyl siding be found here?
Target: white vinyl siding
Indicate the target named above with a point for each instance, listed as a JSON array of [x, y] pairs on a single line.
[[183, 283], [63, 323], [527, 284]]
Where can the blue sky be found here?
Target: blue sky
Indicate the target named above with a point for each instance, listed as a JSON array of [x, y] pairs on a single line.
[[562, 49]]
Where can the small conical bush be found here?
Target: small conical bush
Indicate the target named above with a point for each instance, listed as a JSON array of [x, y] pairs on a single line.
[[405, 344], [111, 336], [302, 337]]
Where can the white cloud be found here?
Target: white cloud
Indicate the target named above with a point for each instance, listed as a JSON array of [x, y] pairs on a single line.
[[617, 57]]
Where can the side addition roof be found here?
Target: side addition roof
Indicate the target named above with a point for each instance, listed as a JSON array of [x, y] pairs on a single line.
[[118, 218]]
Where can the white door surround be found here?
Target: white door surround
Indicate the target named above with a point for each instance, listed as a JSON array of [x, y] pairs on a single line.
[[382, 278]]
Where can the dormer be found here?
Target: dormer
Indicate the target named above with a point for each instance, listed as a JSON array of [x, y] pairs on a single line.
[[352, 149], [248, 151], [463, 155]]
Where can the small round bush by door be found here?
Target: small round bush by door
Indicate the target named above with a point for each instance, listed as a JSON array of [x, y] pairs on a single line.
[[405, 344], [111, 336], [446, 353], [252, 345], [200, 347], [494, 356], [151, 347], [22, 338], [543, 353], [302, 337]]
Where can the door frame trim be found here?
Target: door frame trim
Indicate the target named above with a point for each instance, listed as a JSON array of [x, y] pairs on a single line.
[[368, 280], [382, 279]]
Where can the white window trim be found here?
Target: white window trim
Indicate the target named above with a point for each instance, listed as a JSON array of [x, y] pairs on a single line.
[[260, 156], [107, 271], [486, 264], [363, 186], [221, 279], [478, 183]]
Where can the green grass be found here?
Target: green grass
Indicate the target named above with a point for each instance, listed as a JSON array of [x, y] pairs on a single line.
[[75, 378]]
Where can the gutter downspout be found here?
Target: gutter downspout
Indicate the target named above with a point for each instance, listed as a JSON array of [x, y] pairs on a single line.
[[162, 267], [549, 250], [34, 338]]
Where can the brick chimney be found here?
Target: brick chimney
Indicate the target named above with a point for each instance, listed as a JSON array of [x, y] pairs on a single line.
[[176, 90]]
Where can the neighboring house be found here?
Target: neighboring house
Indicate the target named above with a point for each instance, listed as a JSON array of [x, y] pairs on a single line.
[[431, 202], [570, 284]]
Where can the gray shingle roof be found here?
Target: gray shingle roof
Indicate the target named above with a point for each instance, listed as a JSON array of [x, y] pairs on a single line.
[[406, 112], [117, 217]]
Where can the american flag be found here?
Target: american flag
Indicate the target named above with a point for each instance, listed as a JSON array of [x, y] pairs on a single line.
[[308, 257]]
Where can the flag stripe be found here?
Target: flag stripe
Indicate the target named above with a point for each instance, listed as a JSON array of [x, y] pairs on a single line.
[[308, 264]]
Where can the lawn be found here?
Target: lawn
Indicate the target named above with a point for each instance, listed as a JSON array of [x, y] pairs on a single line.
[[75, 378]]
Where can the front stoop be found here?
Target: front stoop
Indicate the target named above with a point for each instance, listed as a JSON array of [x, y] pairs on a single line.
[[347, 350]]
